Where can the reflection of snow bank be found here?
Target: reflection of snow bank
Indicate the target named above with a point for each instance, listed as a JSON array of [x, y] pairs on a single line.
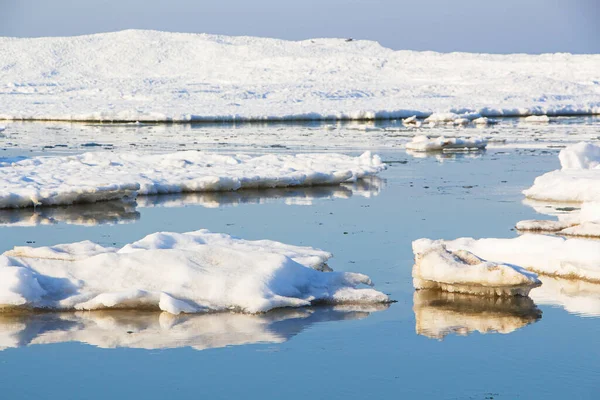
[[439, 314], [577, 297], [152, 330], [99, 176], [462, 272], [193, 272], [424, 143], [147, 75], [106, 212], [578, 180], [549, 255]]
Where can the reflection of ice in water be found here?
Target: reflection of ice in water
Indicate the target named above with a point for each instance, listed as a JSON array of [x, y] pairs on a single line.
[[367, 187], [577, 297], [120, 212], [106, 212], [152, 330], [439, 314], [442, 156]]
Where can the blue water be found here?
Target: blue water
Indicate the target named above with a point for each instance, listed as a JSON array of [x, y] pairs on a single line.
[[333, 353]]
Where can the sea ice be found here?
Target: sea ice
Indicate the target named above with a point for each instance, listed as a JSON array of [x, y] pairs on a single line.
[[159, 76], [578, 180], [191, 272], [461, 271], [98, 176], [424, 143], [557, 256]]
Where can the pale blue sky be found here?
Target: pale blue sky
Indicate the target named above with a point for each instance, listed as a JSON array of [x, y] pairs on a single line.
[[506, 26]]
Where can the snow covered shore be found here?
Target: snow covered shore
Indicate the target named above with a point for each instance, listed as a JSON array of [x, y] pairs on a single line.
[[92, 177], [157, 76], [177, 273]]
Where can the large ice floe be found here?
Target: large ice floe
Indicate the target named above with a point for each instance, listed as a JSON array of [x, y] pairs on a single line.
[[190, 273], [457, 269], [92, 177], [557, 256], [578, 180], [153, 330], [158, 76], [438, 313], [424, 143]]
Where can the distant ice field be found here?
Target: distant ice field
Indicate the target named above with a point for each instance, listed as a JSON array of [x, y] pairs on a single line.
[[158, 76]]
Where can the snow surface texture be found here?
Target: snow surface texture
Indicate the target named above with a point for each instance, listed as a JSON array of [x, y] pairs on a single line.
[[460, 271], [425, 143], [158, 76], [152, 330], [177, 273], [92, 177], [578, 180], [438, 314], [572, 258]]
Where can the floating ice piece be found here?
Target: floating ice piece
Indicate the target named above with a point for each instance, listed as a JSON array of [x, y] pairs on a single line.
[[425, 143], [537, 119], [575, 296], [412, 121], [571, 258], [460, 271], [191, 272], [483, 121], [92, 177], [153, 330], [577, 181], [583, 222], [438, 314], [537, 225]]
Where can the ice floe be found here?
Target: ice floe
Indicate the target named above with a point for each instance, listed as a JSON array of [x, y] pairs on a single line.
[[461, 271], [438, 314], [537, 119], [192, 272], [159, 76], [569, 258], [98, 176], [153, 330], [583, 221], [578, 180], [425, 143]]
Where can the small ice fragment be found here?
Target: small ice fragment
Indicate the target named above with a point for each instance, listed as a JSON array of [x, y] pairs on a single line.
[[425, 143], [537, 119]]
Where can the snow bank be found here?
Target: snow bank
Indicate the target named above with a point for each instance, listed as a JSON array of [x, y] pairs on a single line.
[[92, 177], [549, 255], [425, 143], [191, 272], [439, 314], [152, 330], [460, 271], [158, 76], [578, 180]]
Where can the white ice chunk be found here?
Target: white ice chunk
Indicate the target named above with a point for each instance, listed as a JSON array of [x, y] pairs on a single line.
[[193, 272], [424, 143], [92, 177], [577, 181], [571, 258], [462, 272], [537, 119]]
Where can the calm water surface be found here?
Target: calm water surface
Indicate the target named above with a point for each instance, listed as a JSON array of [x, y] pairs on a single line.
[[424, 346]]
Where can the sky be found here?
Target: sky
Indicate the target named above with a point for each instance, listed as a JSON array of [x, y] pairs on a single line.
[[502, 26]]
